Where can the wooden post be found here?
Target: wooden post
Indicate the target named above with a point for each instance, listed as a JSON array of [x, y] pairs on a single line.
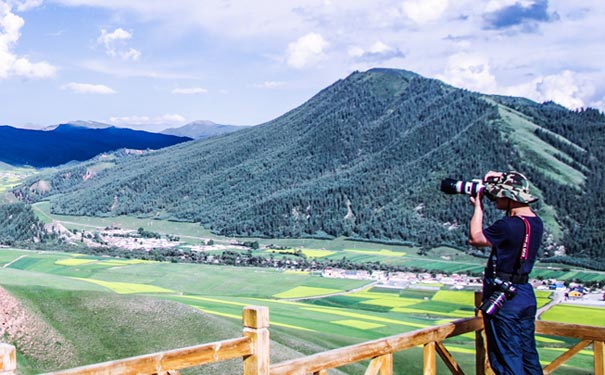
[[8, 359], [387, 365], [480, 346], [430, 359], [599, 357], [256, 327]]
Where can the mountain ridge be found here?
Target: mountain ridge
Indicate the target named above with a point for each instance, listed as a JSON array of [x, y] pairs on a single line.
[[201, 129], [67, 142]]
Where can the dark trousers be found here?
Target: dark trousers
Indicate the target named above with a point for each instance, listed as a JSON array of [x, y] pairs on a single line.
[[511, 343]]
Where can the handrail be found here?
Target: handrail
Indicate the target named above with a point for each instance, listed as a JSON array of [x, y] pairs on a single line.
[[253, 348], [376, 348], [587, 334], [169, 360]]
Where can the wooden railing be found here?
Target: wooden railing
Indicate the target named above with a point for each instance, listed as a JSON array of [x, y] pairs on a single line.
[[253, 349]]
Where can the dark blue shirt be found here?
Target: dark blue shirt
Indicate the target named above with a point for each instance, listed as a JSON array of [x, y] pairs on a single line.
[[507, 235]]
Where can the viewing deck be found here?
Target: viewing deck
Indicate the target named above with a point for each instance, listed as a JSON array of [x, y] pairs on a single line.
[[253, 348]]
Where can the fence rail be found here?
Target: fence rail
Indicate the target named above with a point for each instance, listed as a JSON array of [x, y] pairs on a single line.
[[253, 348]]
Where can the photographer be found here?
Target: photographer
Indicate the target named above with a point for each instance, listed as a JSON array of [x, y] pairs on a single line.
[[509, 302]]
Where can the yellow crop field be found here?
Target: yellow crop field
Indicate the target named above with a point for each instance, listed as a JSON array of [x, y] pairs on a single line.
[[455, 296], [359, 324], [74, 262], [305, 291], [128, 288], [296, 272], [384, 252], [313, 253]]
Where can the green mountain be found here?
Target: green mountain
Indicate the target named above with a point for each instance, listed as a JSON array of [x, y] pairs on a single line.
[[364, 159]]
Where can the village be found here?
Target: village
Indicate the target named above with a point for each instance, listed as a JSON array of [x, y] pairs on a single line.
[[574, 293]]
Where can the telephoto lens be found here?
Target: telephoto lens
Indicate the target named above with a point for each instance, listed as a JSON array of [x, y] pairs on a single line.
[[505, 290], [494, 303], [452, 186]]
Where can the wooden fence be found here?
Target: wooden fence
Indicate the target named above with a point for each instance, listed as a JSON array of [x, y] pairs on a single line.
[[253, 348]]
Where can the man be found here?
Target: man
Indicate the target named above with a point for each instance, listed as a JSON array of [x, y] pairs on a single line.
[[514, 240]]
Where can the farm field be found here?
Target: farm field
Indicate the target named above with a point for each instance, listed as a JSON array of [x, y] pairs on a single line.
[[333, 319], [439, 259]]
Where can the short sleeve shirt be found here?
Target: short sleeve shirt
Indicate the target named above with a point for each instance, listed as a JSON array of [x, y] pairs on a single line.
[[507, 235]]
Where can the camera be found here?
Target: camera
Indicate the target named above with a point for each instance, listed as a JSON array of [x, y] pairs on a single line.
[[451, 186], [505, 290]]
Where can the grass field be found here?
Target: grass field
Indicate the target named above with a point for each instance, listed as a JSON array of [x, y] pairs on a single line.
[[321, 323]]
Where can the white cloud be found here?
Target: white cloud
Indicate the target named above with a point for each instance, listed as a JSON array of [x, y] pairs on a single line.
[[10, 63], [306, 51], [470, 71], [25, 5], [114, 43], [566, 88], [158, 122], [24, 68], [87, 88], [376, 53], [190, 91], [425, 11]]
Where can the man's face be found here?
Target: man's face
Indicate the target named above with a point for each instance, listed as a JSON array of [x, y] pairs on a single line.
[[502, 203]]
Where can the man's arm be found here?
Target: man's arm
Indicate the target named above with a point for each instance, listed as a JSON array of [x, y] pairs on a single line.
[[475, 234]]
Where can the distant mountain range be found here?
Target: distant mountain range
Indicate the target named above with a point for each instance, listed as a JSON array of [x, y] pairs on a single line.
[[67, 142], [363, 159], [202, 129]]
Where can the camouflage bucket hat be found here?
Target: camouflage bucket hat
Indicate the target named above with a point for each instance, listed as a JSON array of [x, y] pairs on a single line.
[[511, 185]]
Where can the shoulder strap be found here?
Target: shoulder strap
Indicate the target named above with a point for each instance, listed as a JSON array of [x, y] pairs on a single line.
[[524, 253]]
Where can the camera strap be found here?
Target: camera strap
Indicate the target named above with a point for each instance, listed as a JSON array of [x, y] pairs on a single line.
[[526, 239], [523, 252]]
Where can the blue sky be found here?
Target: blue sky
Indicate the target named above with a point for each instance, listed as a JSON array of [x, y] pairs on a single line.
[[154, 64]]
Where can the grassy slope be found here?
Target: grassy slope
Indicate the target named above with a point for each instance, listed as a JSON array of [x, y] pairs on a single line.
[[542, 155]]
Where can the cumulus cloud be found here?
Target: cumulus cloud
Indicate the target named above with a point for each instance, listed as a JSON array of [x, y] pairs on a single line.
[[470, 71], [10, 63], [424, 11], [566, 88], [87, 88], [377, 52], [24, 5], [190, 91], [115, 44], [146, 122], [306, 51]]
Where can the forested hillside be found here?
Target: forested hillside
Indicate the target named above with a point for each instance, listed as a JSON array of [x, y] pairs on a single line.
[[20, 225], [363, 159]]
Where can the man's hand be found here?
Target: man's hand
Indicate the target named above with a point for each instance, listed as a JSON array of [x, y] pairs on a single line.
[[492, 175], [477, 202]]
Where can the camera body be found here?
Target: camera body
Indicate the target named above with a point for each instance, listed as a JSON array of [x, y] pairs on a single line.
[[452, 186], [504, 291]]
